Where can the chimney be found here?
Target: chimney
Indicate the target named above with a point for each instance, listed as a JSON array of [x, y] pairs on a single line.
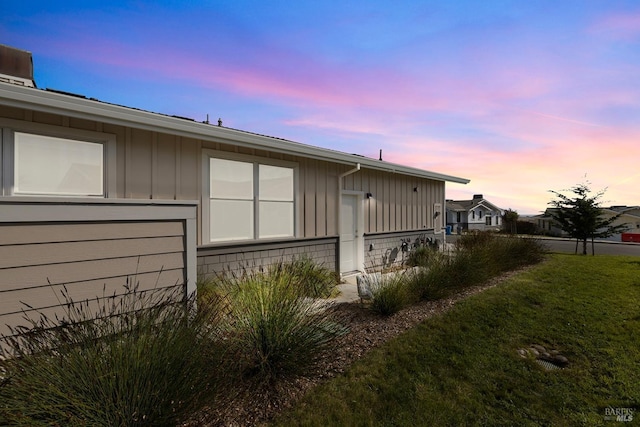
[[477, 196], [16, 66]]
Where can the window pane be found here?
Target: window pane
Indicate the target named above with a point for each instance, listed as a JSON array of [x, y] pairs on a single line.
[[276, 219], [276, 183], [47, 165], [230, 179], [230, 220]]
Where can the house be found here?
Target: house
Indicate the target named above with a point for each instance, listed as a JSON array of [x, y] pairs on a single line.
[[255, 199], [629, 216], [542, 223], [475, 214]]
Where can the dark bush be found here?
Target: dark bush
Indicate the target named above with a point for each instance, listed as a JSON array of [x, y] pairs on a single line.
[[420, 256], [526, 227]]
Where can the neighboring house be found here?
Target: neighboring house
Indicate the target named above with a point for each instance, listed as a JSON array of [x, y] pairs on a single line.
[[260, 198], [544, 224], [629, 216], [475, 214]]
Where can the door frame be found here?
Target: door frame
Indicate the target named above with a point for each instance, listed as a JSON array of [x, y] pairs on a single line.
[[359, 256]]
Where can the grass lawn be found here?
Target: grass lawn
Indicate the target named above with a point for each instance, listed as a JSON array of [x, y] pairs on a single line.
[[463, 368]]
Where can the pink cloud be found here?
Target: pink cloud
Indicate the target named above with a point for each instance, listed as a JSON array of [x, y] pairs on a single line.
[[619, 25]]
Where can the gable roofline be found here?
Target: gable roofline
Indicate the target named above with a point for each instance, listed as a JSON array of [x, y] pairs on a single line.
[[467, 205], [92, 109], [487, 204]]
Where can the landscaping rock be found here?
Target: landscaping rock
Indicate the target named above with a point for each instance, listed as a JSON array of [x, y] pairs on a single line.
[[560, 360], [547, 358], [540, 348]]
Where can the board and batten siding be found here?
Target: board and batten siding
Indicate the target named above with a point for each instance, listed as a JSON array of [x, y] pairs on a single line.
[[89, 249], [394, 205], [163, 166]]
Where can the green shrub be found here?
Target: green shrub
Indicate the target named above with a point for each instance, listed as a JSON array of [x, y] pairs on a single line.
[[526, 227], [273, 329], [391, 293], [475, 239], [420, 256], [141, 359]]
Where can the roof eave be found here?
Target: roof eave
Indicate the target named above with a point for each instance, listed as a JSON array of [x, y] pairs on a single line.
[[89, 109]]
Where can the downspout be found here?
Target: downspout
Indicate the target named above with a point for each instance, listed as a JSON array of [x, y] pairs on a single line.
[[349, 172], [443, 219], [339, 208]]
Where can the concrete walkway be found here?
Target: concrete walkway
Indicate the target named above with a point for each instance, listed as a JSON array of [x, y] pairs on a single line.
[[348, 290]]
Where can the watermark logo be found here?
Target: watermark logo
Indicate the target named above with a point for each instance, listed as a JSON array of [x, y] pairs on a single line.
[[624, 415]]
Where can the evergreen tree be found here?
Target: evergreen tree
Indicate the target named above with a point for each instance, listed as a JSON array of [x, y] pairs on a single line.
[[581, 216], [510, 221]]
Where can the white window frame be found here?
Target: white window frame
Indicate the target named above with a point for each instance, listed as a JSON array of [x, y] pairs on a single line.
[[256, 161], [8, 129]]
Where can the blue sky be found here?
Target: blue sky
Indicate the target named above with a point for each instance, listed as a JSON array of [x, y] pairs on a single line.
[[520, 97]]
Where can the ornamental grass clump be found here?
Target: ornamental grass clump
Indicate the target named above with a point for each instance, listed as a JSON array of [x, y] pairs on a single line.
[[503, 253], [391, 293], [273, 329], [141, 358], [420, 256], [315, 280], [477, 258]]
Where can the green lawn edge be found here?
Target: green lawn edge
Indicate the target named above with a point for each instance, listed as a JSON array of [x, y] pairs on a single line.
[[462, 368]]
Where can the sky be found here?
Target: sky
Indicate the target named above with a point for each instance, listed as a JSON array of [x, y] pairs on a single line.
[[520, 97]]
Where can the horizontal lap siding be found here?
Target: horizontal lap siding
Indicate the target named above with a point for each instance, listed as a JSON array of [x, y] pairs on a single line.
[[37, 262]]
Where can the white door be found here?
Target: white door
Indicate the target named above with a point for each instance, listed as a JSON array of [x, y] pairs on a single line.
[[437, 218], [349, 235]]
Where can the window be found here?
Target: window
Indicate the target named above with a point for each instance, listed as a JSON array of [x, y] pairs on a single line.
[[487, 220], [231, 200], [49, 161], [275, 201], [249, 200], [55, 166], [457, 216]]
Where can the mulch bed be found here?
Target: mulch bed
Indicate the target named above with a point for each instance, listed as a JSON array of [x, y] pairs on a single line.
[[367, 330]]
